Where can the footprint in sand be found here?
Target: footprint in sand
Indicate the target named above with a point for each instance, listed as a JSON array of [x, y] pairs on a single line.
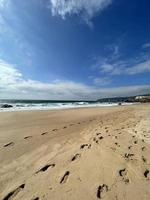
[[27, 137], [95, 140], [85, 145], [9, 144], [128, 156], [14, 192], [36, 198], [65, 177], [44, 133], [144, 159], [116, 143], [143, 148], [55, 129], [45, 168], [98, 134], [102, 189], [146, 174], [101, 137], [76, 156], [123, 174]]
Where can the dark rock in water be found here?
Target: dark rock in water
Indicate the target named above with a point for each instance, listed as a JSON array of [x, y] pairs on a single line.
[[119, 104], [6, 106]]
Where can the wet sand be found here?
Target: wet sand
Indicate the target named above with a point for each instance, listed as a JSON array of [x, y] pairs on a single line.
[[86, 153]]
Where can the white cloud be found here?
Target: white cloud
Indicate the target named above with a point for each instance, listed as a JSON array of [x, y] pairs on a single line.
[[102, 81], [125, 91], [2, 3], [147, 45], [8, 74], [3, 6], [106, 68], [119, 68], [139, 68], [86, 8], [14, 85]]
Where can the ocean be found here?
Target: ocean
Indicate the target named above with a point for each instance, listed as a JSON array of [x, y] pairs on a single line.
[[18, 105]]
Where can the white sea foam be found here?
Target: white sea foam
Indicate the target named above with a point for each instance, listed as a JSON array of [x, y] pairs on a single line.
[[55, 106]]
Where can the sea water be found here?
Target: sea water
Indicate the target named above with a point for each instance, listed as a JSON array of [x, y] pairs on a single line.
[[18, 105]]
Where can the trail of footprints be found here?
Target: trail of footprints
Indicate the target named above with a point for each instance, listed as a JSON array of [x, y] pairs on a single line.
[[10, 144], [64, 178], [102, 189]]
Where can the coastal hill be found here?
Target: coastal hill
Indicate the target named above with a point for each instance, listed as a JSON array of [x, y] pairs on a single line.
[[140, 98]]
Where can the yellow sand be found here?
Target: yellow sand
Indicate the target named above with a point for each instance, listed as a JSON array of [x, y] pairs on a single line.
[[77, 154]]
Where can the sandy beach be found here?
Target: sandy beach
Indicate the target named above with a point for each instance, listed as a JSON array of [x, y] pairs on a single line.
[[74, 154]]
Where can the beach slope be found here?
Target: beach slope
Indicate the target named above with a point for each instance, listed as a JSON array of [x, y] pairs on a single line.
[[86, 153]]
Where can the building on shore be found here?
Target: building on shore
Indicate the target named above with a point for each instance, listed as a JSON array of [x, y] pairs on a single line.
[[143, 99]]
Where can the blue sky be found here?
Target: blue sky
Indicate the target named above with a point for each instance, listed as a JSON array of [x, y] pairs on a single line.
[[81, 49]]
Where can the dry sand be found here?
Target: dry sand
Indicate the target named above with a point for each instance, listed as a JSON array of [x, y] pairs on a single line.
[[88, 153]]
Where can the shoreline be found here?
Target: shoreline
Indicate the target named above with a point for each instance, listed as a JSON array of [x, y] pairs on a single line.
[[15, 109]]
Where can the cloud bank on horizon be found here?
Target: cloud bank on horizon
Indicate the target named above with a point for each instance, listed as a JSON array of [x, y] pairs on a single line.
[[13, 84], [46, 53]]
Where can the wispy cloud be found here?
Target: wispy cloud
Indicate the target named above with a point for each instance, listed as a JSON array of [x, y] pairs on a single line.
[[14, 85], [87, 9], [139, 68], [3, 3], [13, 42], [9, 75], [106, 68], [102, 81], [146, 45], [115, 64], [118, 68]]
